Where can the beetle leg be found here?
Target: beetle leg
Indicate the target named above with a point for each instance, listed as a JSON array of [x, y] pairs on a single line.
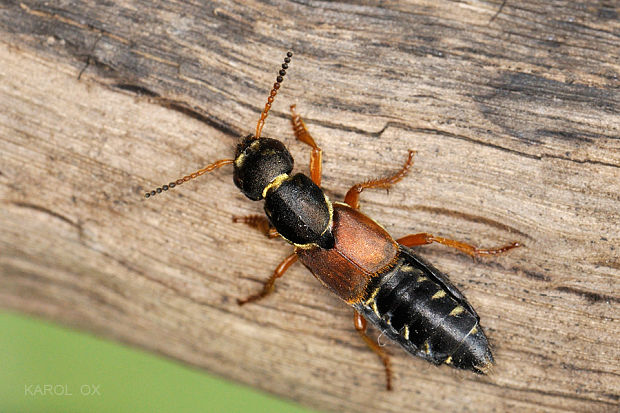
[[269, 284], [360, 326], [258, 222], [424, 238], [302, 134], [352, 197]]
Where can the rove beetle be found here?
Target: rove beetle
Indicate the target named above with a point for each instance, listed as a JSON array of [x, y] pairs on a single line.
[[405, 297]]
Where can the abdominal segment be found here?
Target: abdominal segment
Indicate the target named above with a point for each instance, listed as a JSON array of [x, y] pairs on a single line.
[[417, 306]]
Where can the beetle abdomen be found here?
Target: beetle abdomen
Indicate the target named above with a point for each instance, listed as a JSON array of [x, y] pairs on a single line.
[[415, 305]]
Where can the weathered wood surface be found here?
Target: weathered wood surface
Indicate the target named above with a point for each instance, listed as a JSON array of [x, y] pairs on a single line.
[[516, 122]]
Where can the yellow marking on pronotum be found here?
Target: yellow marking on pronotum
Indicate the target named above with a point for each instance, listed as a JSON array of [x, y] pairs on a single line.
[[474, 330], [406, 332], [421, 279], [438, 294], [275, 183], [448, 360], [457, 310], [330, 207]]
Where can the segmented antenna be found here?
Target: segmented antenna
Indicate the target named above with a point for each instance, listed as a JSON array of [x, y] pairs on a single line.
[[222, 162], [272, 95], [186, 178]]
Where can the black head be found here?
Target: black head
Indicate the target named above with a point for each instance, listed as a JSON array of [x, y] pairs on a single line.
[[258, 162]]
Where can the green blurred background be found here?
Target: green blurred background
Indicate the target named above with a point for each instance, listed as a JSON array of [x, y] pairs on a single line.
[[94, 375]]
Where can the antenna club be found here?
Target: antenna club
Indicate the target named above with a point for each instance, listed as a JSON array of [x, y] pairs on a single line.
[[272, 94], [208, 168], [161, 189]]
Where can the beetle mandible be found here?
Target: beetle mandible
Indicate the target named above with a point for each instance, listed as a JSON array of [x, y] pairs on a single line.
[[405, 297]]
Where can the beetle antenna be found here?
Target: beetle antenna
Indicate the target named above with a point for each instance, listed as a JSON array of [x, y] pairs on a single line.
[[272, 95], [186, 178]]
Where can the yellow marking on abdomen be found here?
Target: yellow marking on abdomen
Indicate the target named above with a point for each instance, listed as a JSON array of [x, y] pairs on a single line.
[[375, 309], [422, 278], [448, 360], [456, 311], [427, 347], [406, 332], [438, 294], [373, 295]]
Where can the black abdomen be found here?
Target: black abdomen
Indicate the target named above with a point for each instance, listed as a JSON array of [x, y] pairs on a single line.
[[417, 306]]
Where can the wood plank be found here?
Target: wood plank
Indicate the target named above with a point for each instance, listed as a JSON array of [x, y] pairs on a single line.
[[516, 123]]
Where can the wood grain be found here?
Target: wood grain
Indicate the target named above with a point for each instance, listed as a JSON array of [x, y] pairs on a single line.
[[516, 123]]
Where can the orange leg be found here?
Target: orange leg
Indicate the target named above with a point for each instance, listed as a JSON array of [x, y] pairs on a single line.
[[424, 238], [258, 222], [302, 134], [360, 326], [353, 195], [269, 284]]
